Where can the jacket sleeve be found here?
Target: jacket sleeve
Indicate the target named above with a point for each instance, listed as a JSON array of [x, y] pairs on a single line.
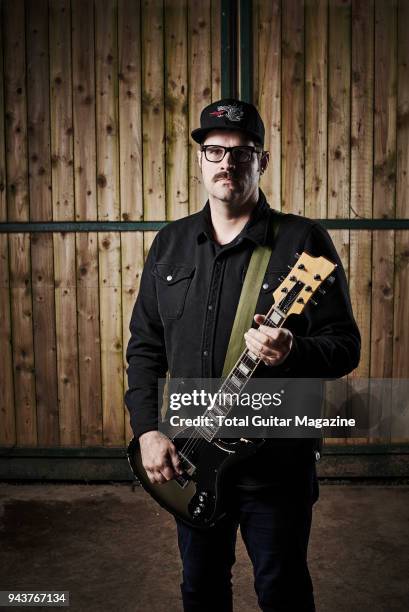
[[331, 344], [146, 354]]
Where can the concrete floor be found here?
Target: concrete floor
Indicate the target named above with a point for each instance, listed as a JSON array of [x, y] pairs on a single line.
[[115, 549]]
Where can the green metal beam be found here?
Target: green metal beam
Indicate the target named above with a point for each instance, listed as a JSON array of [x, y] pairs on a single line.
[[144, 226]]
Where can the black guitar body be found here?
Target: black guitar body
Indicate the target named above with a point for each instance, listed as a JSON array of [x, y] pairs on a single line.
[[196, 497]]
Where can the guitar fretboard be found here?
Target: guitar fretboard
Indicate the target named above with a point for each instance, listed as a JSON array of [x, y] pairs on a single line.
[[240, 375]]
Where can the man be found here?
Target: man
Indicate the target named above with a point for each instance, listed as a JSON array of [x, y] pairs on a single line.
[[182, 321]]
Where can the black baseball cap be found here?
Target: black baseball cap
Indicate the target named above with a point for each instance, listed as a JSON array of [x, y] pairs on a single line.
[[230, 114]]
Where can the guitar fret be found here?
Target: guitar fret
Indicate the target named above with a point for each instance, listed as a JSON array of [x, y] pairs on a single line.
[[243, 368], [236, 381]]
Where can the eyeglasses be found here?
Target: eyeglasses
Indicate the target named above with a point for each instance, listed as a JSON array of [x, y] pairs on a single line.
[[241, 155]]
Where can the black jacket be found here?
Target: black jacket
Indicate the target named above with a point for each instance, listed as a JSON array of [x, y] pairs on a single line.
[[189, 292]]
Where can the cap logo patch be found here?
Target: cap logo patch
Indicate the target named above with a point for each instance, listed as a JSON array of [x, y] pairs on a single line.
[[232, 112]]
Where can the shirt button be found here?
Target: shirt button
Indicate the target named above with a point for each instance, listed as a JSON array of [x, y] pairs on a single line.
[[210, 307], [169, 277], [205, 353], [265, 285]]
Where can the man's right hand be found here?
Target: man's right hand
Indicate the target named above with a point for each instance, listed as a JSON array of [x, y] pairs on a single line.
[[159, 457]]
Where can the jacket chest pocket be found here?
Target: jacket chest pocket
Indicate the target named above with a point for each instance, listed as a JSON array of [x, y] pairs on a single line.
[[270, 282], [172, 285]]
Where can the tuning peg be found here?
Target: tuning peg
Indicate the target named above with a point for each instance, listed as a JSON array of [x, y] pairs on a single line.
[[297, 255], [281, 278], [331, 279], [314, 302], [322, 291], [290, 267]]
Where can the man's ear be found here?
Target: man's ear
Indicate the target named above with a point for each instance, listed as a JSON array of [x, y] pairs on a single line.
[[265, 158]]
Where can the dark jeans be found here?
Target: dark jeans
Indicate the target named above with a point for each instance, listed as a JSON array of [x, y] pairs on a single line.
[[275, 527]]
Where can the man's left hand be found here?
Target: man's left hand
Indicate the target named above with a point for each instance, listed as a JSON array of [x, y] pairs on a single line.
[[271, 344]]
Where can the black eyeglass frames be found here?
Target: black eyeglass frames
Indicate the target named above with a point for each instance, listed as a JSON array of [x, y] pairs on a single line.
[[241, 155]]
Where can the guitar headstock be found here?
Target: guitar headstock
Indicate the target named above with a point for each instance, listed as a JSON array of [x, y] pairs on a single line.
[[305, 278]]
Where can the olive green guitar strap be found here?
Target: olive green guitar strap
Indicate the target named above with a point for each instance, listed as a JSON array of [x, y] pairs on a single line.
[[247, 303]]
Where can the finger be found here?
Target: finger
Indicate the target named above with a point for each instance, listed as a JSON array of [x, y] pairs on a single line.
[[260, 336], [168, 472], [265, 353], [154, 476], [257, 347], [259, 318], [174, 457], [272, 332], [159, 478]]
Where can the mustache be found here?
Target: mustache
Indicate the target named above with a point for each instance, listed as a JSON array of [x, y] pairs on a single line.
[[224, 175]]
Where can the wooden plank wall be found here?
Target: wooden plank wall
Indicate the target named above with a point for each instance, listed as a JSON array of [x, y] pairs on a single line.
[[332, 78], [97, 101], [96, 108]]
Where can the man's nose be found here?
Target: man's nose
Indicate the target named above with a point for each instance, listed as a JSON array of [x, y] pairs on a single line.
[[228, 161]]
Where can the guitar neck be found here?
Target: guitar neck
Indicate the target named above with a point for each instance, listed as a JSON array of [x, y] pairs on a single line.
[[237, 379]]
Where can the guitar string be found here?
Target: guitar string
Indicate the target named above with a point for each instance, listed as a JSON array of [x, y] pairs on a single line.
[[193, 441]]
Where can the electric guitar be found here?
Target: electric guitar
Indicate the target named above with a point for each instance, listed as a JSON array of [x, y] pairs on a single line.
[[196, 496]]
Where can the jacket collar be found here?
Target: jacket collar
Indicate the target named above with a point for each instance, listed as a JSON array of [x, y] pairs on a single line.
[[256, 228]]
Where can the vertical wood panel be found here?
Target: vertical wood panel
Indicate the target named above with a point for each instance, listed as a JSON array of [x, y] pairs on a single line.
[[362, 108], [316, 108], [130, 110], [22, 340], [153, 116], [401, 331], [292, 144], [15, 110], [199, 90], [15, 95], [268, 97], [176, 109], [106, 63], [339, 101], [132, 266], [7, 412], [84, 109], [7, 406], [89, 339], [38, 113], [106, 44], [384, 187], [111, 337], [215, 34], [63, 210]]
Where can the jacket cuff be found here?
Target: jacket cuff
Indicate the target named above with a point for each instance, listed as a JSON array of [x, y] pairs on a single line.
[[141, 428]]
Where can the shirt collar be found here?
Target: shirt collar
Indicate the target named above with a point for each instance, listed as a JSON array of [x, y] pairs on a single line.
[[256, 228]]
